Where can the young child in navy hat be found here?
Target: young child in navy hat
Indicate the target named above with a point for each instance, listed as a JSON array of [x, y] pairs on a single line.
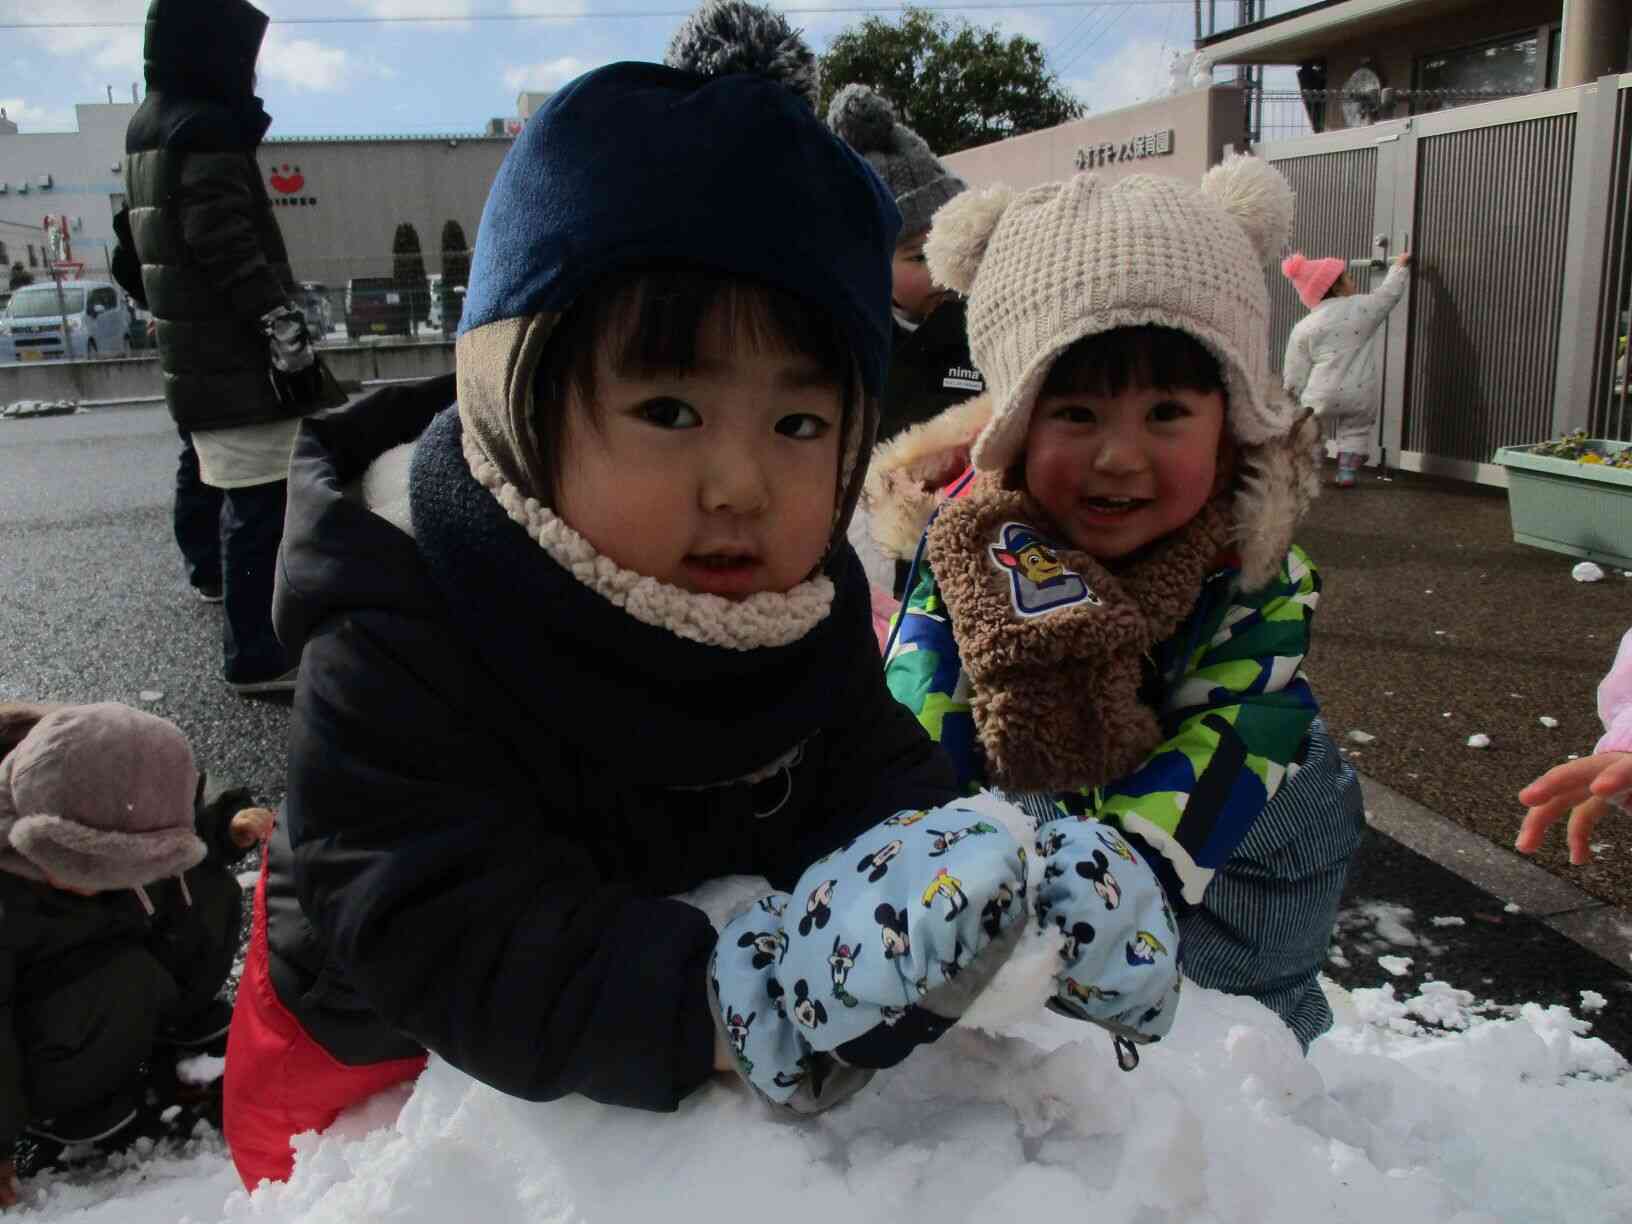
[[581, 631]]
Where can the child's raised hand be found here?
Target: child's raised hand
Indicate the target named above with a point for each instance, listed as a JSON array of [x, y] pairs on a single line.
[[1586, 789], [250, 826], [1403, 260]]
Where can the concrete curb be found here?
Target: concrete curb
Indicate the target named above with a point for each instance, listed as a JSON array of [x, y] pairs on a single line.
[[1597, 926]]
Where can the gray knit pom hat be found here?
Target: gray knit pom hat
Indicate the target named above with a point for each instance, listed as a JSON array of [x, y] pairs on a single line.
[[100, 797], [866, 122]]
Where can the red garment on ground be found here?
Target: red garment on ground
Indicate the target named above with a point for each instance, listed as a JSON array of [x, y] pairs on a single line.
[[280, 1082]]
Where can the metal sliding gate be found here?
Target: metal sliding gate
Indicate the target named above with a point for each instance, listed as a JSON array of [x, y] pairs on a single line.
[[1517, 216]]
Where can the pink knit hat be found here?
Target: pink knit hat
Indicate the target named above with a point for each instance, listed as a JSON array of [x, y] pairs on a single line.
[[1312, 277]]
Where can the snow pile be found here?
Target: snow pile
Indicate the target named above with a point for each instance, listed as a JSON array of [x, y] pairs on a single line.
[[1414, 1110], [1521, 1119]]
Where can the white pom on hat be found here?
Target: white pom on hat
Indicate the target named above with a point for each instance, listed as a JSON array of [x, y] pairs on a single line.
[[730, 36], [959, 235], [1258, 197]]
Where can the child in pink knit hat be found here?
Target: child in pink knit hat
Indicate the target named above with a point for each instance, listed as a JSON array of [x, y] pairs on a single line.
[[1589, 787], [118, 923], [1331, 364]]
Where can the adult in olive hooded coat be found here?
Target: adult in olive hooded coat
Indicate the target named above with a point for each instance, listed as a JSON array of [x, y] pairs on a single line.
[[212, 265]]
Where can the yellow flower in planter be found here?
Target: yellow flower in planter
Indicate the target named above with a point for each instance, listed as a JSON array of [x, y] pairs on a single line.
[[1591, 457]]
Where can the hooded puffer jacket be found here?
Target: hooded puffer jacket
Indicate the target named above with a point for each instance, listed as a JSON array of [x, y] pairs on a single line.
[[212, 257]]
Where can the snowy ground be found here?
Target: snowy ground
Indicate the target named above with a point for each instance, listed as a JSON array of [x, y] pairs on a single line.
[[1428, 1108]]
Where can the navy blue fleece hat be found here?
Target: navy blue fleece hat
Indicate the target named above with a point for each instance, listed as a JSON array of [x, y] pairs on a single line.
[[725, 165]]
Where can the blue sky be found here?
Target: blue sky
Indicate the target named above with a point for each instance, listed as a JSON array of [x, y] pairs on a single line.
[[327, 79]]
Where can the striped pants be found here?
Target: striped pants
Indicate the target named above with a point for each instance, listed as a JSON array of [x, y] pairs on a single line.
[[1264, 925]]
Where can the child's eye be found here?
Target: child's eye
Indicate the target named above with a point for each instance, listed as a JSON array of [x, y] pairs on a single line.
[[802, 425], [1076, 414], [669, 414], [1169, 410]]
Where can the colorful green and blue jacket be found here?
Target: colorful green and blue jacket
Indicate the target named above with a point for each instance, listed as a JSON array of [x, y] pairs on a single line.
[[1228, 689]]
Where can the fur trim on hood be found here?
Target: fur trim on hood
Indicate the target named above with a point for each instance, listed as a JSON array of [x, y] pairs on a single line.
[[1275, 483]]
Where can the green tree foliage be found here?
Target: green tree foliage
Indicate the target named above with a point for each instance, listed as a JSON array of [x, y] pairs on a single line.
[[455, 254], [408, 270], [455, 272], [956, 85]]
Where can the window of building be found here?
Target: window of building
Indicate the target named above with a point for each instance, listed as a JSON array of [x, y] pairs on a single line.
[[5, 256], [1499, 67], [33, 260]]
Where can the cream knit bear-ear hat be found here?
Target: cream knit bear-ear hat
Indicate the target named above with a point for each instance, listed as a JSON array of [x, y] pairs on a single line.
[[1045, 267]]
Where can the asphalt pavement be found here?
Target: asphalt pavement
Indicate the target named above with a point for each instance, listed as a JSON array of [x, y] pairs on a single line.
[[94, 607]]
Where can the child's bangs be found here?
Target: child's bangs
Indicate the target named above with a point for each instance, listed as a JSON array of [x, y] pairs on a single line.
[[1136, 358], [656, 323]]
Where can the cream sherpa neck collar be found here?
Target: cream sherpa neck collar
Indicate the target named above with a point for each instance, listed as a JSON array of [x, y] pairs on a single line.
[[764, 620]]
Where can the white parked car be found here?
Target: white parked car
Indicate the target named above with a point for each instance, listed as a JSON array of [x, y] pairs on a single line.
[[91, 312]]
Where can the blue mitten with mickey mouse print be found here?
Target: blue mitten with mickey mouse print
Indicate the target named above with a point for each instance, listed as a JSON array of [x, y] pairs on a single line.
[[1121, 941], [881, 947]]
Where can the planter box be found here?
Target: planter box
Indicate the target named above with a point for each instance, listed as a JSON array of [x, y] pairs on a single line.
[[1582, 509]]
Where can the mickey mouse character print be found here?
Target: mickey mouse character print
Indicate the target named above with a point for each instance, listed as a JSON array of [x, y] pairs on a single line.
[[1038, 581]]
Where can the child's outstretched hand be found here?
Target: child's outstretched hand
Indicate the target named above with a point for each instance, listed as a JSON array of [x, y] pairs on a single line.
[[1586, 789], [8, 1184], [250, 826]]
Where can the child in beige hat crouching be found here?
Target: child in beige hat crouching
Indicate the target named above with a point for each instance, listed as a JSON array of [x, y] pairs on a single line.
[[118, 925], [1107, 617]]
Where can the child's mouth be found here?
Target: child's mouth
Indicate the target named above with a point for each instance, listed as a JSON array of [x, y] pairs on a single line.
[[733, 575], [1113, 507]]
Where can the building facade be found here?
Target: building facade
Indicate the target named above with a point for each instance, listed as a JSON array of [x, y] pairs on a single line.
[[1359, 62], [339, 199]]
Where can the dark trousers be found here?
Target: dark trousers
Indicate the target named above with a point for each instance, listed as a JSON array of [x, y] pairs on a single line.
[[197, 518], [251, 529]]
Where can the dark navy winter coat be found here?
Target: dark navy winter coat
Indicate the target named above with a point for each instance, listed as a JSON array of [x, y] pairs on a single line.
[[498, 779]]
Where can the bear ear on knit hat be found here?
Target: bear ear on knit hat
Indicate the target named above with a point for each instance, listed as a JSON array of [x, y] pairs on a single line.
[[1258, 197], [960, 233], [732, 36]]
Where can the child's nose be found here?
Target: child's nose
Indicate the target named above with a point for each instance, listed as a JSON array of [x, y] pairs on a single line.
[[735, 482], [1119, 455]]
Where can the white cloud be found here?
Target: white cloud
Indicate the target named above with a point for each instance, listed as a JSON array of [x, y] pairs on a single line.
[[30, 116], [305, 63], [551, 74], [110, 47], [1132, 72]]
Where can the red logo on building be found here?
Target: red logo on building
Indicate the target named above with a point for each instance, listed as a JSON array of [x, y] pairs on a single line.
[[286, 180]]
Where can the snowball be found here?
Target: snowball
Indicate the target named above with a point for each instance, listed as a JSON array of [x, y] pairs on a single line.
[[1361, 737], [1547, 720], [1592, 1001], [1586, 571], [1449, 920], [1512, 907], [152, 694], [201, 1069], [1479, 740]]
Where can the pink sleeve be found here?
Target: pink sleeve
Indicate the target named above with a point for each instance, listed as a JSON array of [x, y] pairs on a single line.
[[1615, 701]]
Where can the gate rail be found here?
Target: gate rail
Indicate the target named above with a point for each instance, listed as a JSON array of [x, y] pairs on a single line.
[[1517, 211]]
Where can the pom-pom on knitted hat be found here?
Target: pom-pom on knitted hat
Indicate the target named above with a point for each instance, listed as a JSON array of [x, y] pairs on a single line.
[[1312, 278], [731, 36], [867, 122], [1056, 263], [99, 797]]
